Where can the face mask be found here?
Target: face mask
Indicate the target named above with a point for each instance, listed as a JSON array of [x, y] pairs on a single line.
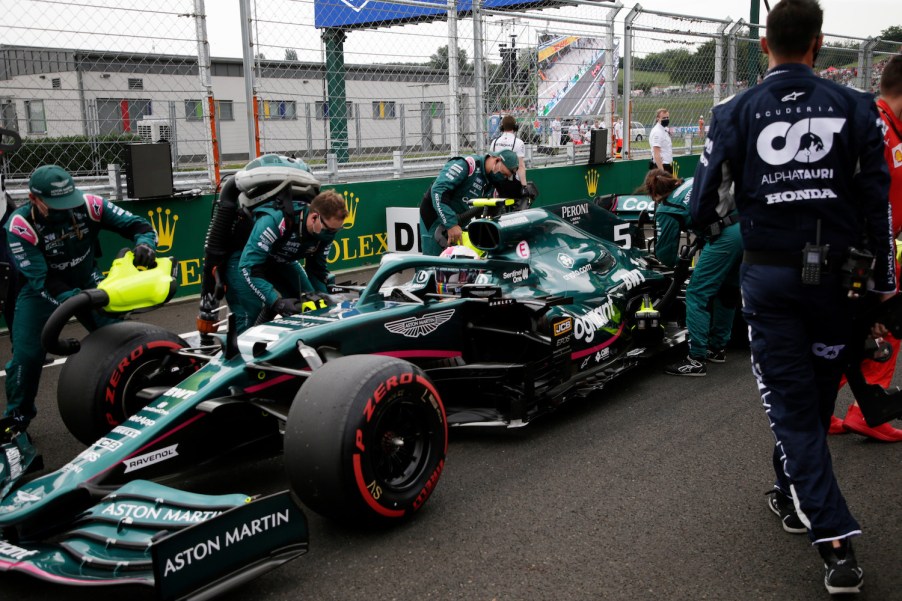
[[58, 217], [497, 178], [665, 122]]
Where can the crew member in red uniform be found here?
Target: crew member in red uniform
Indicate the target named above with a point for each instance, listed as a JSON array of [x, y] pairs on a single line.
[[889, 105]]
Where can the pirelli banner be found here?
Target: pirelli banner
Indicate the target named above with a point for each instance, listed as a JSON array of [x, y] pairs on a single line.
[[181, 224]]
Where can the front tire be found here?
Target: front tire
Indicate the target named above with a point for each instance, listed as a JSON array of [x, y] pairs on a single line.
[[366, 440], [98, 386]]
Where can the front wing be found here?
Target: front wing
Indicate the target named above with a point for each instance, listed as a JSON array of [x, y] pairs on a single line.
[[185, 545]]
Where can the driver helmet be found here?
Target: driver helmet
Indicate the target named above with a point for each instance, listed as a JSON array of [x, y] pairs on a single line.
[[449, 281], [267, 175]]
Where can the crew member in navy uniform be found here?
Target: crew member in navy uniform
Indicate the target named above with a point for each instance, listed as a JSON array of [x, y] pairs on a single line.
[[802, 160]]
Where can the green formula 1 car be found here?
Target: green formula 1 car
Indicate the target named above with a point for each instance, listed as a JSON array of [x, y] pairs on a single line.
[[360, 391]]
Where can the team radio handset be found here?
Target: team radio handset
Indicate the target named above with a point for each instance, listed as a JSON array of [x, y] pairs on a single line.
[[813, 259]]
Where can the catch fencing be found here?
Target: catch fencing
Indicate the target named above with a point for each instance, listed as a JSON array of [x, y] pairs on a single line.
[[365, 90]]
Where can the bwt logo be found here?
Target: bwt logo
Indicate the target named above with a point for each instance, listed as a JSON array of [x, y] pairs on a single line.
[[806, 141]]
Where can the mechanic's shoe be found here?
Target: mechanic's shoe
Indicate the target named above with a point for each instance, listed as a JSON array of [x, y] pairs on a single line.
[[843, 576], [689, 366], [836, 426], [717, 356], [854, 422], [783, 506]]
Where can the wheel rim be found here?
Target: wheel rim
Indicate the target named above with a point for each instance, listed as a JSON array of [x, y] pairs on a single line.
[[144, 376], [141, 378], [402, 433]]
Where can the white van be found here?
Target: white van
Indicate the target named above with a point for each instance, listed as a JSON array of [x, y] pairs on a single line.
[[637, 131]]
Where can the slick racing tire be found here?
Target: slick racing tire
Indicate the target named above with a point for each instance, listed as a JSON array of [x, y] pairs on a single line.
[[365, 440], [98, 385]]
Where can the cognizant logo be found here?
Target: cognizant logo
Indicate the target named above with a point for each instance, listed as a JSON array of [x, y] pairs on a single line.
[[806, 141]]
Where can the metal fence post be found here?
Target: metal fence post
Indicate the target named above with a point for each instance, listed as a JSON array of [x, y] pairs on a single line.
[[453, 77], [250, 90], [610, 80], [628, 77], [865, 63], [204, 68], [397, 164], [718, 62], [479, 67], [732, 57]]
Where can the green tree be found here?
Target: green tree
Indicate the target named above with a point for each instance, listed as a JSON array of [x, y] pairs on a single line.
[[892, 33], [890, 39], [291, 54], [439, 60]]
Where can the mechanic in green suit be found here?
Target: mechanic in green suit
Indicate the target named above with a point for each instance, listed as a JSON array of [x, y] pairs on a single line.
[[713, 292], [52, 239], [266, 279], [462, 178]]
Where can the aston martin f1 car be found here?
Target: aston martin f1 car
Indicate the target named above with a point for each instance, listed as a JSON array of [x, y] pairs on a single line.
[[360, 390]]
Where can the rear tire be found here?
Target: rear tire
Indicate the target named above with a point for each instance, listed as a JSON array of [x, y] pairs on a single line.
[[366, 440], [98, 386]]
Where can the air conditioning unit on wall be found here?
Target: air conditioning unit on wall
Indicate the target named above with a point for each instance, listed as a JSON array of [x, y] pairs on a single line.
[[154, 129]]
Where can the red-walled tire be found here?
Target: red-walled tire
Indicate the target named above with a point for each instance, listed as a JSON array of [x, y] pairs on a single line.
[[98, 385], [366, 440]]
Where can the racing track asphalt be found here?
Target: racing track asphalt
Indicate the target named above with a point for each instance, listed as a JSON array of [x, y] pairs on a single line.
[[653, 490]]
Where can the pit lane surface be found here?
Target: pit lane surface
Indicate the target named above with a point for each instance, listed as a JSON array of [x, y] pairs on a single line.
[[653, 490]]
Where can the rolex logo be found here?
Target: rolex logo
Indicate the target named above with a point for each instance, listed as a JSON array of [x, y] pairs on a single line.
[[164, 224], [351, 202], [592, 182]]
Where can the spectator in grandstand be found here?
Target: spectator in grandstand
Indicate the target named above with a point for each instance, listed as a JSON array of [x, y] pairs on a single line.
[[661, 144], [509, 140], [889, 105], [555, 132], [618, 136], [701, 127], [573, 132]]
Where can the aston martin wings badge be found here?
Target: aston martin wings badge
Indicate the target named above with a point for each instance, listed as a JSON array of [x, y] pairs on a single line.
[[414, 327]]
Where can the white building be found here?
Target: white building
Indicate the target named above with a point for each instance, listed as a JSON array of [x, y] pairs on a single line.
[[52, 93]]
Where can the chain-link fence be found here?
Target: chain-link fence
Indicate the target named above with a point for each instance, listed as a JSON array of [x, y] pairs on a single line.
[[82, 81], [368, 89]]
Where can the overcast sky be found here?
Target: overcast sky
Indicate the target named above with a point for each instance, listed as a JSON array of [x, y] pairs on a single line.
[[861, 18]]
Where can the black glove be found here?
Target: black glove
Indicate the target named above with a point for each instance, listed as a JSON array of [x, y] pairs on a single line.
[[145, 256], [286, 306]]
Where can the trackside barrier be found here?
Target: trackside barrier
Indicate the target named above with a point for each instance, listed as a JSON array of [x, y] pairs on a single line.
[[181, 223]]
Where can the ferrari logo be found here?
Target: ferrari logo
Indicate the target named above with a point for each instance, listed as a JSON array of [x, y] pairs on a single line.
[[414, 327]]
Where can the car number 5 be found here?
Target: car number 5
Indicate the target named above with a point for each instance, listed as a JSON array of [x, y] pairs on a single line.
[[622, 235]]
